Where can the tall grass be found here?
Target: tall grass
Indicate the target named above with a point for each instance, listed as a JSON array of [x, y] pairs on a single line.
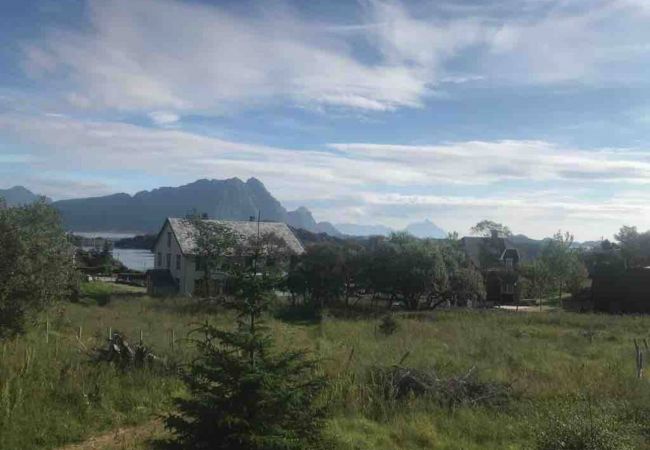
[[51, 395]]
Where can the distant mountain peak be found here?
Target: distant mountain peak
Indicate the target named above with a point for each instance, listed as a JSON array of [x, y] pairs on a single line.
[[423, 229], [426, 229], [229, 199], [20, 195], [303, 218]]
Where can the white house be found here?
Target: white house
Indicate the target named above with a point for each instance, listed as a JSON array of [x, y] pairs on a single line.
[[175, 252]]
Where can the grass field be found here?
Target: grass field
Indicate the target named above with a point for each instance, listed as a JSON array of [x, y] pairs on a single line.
[[578, 369]]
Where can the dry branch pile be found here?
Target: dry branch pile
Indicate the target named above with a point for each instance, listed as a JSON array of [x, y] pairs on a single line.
[[119, 352], [398, 383]]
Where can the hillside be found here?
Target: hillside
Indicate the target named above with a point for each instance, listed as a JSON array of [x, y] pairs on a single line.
[[302, 218], [231, 199], [144, 212], [424, 229], [19, 195]]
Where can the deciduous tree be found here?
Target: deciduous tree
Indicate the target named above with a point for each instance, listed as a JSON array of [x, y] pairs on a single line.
[[36, 264]]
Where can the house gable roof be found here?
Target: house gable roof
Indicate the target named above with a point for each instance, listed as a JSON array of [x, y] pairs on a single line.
[[477, 248], [184, 232]]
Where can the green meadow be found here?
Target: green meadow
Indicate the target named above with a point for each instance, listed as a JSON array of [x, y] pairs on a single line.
[[556, 372]]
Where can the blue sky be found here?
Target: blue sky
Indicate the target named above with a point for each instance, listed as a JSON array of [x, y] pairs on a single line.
[[535, 113]]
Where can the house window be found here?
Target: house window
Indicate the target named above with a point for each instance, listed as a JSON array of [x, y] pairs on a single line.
[[509, 263], [159, 260], [508, 288], [198, 263], [178, 262], [169, 260], [169, 239]]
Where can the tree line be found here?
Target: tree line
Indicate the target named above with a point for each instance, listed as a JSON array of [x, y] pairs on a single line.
[[401, 268]]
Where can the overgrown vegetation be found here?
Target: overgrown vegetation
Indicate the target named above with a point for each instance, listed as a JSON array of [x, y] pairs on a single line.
[[36, 264], [244, 392], [50, 394], [416, 273]]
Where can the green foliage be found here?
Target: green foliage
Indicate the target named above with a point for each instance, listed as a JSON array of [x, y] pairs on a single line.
[[635, 246], [399, 268], [466, 284], [212, 241], [563, 264], [570, 428], [487, 227], [536, 279], [50, 397], [388, 325], [36, 266], [244, 393], [320, 274]]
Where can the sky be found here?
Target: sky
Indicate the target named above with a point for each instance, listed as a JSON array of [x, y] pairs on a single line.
[[533, 113]]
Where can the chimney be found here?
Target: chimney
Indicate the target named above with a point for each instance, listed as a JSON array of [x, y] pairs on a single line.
[[495, 234]]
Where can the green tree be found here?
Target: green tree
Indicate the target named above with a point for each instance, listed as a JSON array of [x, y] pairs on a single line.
[[244, 393], [36, 264], [537, 278], [566, 270], [413, 269], [466, 283], [320, 275], [213, 241], [486, 227], [635, 246]]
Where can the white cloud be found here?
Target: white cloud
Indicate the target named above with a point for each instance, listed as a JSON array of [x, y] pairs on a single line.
[[393, 184], [174, 56], [162, 118]]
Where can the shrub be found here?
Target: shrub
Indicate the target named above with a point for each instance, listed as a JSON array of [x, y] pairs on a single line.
[[388, 325], [577, 429]]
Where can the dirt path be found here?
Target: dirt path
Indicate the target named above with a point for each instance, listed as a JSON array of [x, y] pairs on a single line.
[[125, 438]]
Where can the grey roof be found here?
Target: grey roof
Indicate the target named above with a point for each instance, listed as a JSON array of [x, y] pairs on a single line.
[[474, 245], [183, 231]]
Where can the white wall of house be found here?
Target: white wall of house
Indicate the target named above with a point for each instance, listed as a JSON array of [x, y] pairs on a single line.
[[168, 255]]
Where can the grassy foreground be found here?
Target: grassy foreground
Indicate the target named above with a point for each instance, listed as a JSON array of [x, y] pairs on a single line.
[[559, 365]]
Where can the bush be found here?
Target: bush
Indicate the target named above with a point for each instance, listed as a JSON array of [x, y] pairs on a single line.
[[581, 429], [388, 325]]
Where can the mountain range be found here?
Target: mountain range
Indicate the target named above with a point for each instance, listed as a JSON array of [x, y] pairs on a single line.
[[18, 195], [424, 229], [230, 199]]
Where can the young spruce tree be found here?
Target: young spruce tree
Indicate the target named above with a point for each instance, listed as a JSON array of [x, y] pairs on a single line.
[[244, 393]]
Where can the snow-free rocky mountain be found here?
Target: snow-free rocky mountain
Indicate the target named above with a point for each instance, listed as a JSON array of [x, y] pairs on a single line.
[[19, 195], [144, 212], [231, 199], [424, 229]]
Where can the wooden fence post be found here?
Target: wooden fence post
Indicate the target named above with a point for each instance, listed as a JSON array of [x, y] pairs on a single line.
[[141, 337], [47, 331], [173, 338], [110, 333], [639, 359]]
